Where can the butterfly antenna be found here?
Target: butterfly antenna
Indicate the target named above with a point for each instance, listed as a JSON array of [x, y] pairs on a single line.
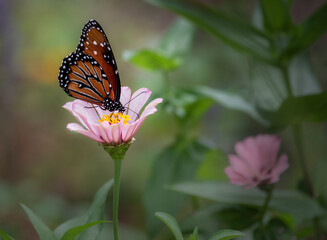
[[134, 98], [94, 109], [138, 115], [92, 106]]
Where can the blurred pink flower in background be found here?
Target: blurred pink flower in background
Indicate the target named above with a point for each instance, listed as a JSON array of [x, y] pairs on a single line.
[[112, 128], [256, 161]]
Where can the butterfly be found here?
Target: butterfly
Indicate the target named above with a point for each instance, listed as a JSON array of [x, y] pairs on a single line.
[[90, 73]]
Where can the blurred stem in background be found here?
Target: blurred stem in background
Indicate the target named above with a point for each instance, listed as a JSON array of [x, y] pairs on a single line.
[[298, 140], [269, 191], [286, 78], [297, 136]]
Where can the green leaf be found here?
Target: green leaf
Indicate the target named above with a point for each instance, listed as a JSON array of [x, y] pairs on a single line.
[[69, 224], [292, 202], [191, 113], [178, 39], [43, 230], [268, 88], [72, 233], [212, 166], [275, 229], [188, 106], [302, 77], [279, 229], [262, 234], [177, 163], [276, 15], [171, 51], [171, 222], [226, 235], [310, 30], [194, 235], [95, 213], [4, 236], [310, 108], [231, 30], [152, 60], [204, 218], [231, 101], [319, 177], [233, 216]]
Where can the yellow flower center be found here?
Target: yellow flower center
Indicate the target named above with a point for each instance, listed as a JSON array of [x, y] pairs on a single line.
[[114, 118]]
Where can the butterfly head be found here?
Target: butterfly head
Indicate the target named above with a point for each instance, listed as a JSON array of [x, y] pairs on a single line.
[[112, 106]]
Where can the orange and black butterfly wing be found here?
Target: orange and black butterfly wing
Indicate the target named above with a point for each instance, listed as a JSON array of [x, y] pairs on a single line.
[[94, 43], [82, 77], [90, 73]]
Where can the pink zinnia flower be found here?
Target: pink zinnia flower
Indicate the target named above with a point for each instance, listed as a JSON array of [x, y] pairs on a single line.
[[256, 161], [112, 128]]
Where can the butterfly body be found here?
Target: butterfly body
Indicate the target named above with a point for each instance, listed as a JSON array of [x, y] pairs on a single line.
[[90, 73]]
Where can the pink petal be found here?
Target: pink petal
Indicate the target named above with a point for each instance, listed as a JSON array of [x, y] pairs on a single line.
[[268, 146], [69, 106], [235, 177], [86, 110], [125, 95], [280, 167], [88, 122], [240, 166], [137, 101], [256, 161], [137, 125], [85, 115], [102, 128], [78, 128], [248, 151], [127, 132], [151, 107], [116, 133]]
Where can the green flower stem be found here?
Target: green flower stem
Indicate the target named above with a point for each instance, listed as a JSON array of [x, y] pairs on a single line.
[[117, 153], [117, 164], [269, 191]]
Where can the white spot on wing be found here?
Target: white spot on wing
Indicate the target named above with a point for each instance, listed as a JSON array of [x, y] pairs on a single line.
[[95, 42], [95, 52]]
